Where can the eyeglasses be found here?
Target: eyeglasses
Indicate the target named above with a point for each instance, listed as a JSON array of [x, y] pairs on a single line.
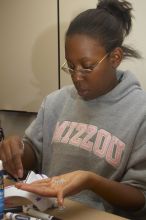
[[83, 71]]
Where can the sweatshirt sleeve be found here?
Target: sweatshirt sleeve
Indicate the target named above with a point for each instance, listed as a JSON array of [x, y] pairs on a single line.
[[34, 137], [135, 174]]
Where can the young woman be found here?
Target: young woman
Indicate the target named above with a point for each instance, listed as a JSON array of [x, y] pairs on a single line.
[[90, 137]]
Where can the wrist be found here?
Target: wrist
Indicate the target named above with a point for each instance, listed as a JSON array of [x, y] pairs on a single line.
[[93, 180]]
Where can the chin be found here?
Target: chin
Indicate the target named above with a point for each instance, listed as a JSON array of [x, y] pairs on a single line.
[[86, 98], [89, 98]]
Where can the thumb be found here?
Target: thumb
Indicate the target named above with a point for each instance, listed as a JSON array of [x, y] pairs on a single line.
[[60, 198]]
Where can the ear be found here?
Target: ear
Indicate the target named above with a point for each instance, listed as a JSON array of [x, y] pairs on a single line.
[[116, 57]]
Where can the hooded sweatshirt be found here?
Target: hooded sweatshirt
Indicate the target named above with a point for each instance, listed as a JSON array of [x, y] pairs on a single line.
[[106, 135]]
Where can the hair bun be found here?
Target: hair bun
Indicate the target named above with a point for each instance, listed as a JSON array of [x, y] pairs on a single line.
[[121, 9]]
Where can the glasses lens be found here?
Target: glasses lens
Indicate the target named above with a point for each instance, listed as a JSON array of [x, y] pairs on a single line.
[[85, 71], [72, 71], [67, 70]]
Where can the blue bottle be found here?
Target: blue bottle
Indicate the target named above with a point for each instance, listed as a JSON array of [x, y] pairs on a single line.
[[1, 191]]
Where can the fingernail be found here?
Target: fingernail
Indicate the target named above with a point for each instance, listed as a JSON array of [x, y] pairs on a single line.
[[20, 173]]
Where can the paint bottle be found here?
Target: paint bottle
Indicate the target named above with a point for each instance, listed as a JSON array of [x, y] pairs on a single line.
[[1, 191]]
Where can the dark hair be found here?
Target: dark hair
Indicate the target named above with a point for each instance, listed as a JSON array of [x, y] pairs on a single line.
[[110, 23]]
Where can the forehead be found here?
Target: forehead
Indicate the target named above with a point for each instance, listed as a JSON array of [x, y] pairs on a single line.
[[82, 45]]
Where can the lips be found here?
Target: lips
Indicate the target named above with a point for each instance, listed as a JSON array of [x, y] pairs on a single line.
[[82, 92], [81, 89]]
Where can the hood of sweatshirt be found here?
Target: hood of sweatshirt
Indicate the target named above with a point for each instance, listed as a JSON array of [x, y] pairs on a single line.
[[127, 84]]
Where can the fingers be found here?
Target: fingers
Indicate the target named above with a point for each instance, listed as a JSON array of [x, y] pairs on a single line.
[[60, 198], [42, 181], [10, 154], [42, 190], [45, 188], [15, 169]]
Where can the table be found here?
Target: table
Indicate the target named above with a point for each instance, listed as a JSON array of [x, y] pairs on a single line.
[[75, 211]]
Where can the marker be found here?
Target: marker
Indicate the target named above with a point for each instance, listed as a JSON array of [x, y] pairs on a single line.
[[38, 214], [15, 216], [15, 209]]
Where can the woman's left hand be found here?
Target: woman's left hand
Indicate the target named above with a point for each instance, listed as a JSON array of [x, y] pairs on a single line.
[[59, 186]]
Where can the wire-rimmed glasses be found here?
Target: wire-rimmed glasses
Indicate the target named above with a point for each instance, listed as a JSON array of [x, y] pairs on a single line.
[[83, 71]]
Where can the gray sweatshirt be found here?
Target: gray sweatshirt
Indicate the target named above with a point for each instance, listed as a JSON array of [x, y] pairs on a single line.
[[106, 135]]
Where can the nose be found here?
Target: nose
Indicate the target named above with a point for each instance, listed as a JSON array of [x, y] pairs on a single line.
[[77, 76]]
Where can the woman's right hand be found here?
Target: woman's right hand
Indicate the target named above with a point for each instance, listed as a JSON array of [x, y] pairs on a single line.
[[11, 150]]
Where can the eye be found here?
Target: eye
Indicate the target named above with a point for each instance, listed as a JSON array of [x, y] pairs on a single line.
[[90, 67]]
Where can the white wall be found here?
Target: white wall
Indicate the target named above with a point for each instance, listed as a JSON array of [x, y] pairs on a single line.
[[137, 40], [28, 53]]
